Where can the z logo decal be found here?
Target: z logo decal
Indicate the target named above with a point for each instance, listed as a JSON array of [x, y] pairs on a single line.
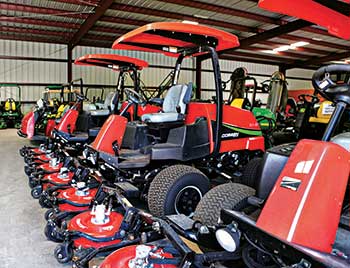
[[290, 183]]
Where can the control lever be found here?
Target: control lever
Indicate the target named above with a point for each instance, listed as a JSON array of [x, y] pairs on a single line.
[[115, 148]]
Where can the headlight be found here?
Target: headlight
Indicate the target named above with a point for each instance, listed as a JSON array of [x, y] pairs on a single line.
[[228, 238]]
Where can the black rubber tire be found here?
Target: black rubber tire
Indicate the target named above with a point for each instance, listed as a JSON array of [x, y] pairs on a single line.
[[251, 172], [49, 214], [22, 151], [225, 196], [66, 252], [36, 192], [168, 183], [51, 235]]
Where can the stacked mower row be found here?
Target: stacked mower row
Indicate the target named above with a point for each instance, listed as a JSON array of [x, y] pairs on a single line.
[[169, 154]]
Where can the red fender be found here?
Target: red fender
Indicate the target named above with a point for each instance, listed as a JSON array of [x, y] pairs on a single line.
[[121, 257], [82, 223], [305, 204], [48, 167], [37, 151], [56, 179], [67, 123], [112, 130], [69, 194], [51, 123], [28, 124]]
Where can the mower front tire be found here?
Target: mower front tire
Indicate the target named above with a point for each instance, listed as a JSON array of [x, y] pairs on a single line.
[[177, 190], [225, 196]]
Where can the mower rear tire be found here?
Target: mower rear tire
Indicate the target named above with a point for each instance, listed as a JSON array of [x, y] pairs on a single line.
[[177, 190], [251, 172], [225, 196]]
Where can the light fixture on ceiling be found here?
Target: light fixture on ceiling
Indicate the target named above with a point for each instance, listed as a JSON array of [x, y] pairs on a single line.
[[281, 48], [200, 16], [269, 51], [299, 44], [190, 22], [347, 61], [286, 47]]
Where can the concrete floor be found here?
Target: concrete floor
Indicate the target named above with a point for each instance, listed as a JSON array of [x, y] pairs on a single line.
[[23, 243]]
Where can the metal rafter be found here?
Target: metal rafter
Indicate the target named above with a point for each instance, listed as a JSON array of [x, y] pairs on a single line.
[[90, 22], [312, 41], [316, 61], [177, 16], [31, 38], [39, 22], [42, 10], [239, 13], [224, 10], [60, 34]]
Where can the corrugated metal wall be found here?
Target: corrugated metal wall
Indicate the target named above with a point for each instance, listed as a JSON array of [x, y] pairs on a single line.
[[28, 71]]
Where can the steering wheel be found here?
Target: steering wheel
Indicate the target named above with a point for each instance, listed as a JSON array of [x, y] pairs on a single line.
[[134, 96], [329, 89], [305, 98]]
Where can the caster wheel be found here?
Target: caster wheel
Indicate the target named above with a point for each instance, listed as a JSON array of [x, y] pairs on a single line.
[[22, 151], [36, 192], [63, 253], [49, 214], [52, 234]]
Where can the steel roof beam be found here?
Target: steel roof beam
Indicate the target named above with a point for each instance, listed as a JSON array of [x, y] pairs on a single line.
[[177, 16], [90, 22], [42, 10], [23, 37], [10, 29], [316, 61], [39, 22]]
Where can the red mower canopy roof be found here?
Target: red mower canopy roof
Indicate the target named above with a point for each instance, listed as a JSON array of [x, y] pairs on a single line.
[[331, 14], [171, 38], [111, 61]]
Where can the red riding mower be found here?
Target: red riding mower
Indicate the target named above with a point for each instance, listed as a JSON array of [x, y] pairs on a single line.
[[38, 124], [298, 216], [126, 66], [66, 121], [154, 159]]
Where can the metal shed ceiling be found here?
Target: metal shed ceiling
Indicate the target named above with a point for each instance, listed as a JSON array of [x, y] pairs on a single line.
[[100, 22]]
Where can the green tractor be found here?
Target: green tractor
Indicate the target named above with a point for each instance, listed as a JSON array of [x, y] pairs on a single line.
[[241, 85], [10, 109]]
